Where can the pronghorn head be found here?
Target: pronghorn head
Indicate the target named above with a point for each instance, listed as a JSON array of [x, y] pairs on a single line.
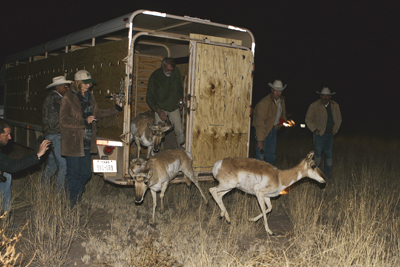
[[158, 134], [141, 184], [136, 166], [313, 171]]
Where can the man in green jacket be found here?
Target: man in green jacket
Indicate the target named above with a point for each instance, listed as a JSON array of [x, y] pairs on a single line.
[[323, 118], [268, 116], [164, 96]]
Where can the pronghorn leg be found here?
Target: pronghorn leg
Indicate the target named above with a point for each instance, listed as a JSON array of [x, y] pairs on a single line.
[[190, 174], [269, 206], [149, 151], [261, 201], [137, 142], [154, 195], [163, 188], [217, 195]]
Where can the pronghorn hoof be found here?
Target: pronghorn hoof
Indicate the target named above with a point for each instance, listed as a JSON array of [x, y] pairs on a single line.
[[272, 234]]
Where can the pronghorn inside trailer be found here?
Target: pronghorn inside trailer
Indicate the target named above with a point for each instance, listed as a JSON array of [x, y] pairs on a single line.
[[216, 62]]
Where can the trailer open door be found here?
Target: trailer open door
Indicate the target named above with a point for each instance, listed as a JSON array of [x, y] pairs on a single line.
[[220, 97]]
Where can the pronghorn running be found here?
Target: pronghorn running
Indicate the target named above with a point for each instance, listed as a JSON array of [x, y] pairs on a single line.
[[146, 134], [259, 178], [159, 171]]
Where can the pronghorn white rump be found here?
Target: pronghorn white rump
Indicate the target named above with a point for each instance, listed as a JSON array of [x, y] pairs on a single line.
[[259, 178], [146, 134], [159, 171]]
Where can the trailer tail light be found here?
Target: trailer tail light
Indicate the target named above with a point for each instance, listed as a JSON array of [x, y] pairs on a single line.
[[108, 143], [108, 150]]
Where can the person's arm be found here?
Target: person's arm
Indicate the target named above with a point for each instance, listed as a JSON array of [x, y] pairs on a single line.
[[15, 165], [310, 120]]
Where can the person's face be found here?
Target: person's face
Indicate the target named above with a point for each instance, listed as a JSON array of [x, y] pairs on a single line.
[[85, 87], [4, 137], [325, 98], [276, 93], [62, 89], [168, 69]]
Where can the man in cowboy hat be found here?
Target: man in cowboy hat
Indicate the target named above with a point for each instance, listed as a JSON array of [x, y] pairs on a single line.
[[268, 116], [51, 130], [323, 119]]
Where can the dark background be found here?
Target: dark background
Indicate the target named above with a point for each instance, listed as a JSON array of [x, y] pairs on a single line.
[[349, 46]]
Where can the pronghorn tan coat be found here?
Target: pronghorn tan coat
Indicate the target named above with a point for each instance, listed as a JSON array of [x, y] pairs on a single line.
[[158, 172], [259, 178], [144, 133]]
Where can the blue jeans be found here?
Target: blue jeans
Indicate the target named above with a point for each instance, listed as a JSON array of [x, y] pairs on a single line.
[[5, 193], [55, 162], [269, 147], [323, 144], [79, 171]]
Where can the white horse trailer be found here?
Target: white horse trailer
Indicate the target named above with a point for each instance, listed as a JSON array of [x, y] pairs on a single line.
[[216, 62]]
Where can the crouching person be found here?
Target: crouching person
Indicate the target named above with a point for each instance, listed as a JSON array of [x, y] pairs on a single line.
[[8, 165], [78, 116]]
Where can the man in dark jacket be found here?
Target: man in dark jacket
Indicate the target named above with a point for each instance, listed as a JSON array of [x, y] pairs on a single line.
[[8, 165], [164, 96], [51, 129]]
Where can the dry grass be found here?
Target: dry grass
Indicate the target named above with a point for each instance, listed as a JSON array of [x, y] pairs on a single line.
[[353, 221]]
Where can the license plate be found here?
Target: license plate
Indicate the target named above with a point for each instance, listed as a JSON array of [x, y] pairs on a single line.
[[104, 165]]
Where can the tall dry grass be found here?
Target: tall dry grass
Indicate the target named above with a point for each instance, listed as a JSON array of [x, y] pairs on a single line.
[[352, 221]]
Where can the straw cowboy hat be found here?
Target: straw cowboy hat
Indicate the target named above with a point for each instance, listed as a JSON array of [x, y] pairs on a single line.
[[325, 91], [277, 85], [58, 81], [84, 76]]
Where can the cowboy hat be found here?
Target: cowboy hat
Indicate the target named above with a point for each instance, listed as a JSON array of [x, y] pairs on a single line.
[[277, 85], [84, 76], [58, 81], [325, 91]]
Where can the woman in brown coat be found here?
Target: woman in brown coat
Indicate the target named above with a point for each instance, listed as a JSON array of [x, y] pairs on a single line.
[[78, 116]]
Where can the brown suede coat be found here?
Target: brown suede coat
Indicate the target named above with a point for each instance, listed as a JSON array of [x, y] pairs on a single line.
[[264, 115], [72, 124], [317, 117]]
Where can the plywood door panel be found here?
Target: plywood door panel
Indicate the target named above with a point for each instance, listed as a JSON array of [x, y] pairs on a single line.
[[223, 84]]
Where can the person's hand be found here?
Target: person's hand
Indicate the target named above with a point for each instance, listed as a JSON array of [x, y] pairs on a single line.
[[43, 147], [119, 102], [162, 115], [90, 119], [260, 145], [180, 104]]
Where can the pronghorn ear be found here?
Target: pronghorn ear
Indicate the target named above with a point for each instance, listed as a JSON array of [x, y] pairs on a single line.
[[310, 155], [133, 176], [151, 127], [166, 128]]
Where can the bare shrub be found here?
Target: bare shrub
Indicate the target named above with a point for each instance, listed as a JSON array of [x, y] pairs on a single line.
[[53, 224]]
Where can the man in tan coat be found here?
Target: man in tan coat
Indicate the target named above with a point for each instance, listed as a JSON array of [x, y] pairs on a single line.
[[323, 118], [268, 116]]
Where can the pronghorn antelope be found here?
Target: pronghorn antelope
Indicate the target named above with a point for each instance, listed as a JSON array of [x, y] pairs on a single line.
[[159, 171], [146, 134], [259, 178]]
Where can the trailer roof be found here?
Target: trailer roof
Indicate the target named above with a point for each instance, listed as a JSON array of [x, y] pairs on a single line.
[[142, 21]]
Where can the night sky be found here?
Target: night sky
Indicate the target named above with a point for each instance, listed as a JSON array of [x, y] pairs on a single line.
[[349, 46]]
